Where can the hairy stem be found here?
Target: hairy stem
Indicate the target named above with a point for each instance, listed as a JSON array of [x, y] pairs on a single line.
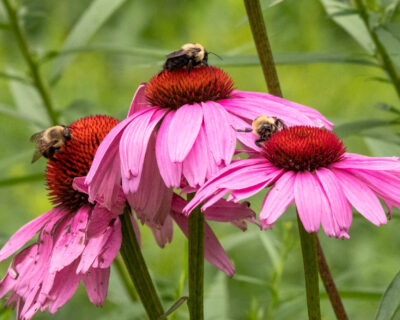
[[196, 263], [138, 272], [37, 79], [329, 284], [381, 52], [309, 251], [260, 36]]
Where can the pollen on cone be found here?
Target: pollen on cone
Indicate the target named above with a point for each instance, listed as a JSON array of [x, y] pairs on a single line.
[[172, 89], [75, 159], [303, 148]]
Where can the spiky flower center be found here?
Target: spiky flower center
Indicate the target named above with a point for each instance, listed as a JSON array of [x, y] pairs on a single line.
[[75, 159], [176, 88], [303, 148]]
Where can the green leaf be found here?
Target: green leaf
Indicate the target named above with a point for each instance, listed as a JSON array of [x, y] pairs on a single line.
[[105, 48], [359, 295], [351, 23], [29, 105], [89, 23], [18, 115], [350, 128], [387, 107], [9, 76], [389, 307], [391, 43], [24, 179], [297, 58]]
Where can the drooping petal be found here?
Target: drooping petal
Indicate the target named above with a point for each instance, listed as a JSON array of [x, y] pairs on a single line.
[[278, 199], [341, 208], [197, 161], [163, 233], [112, 246], [96, 284], [24, 234], [213, 250], [226, 211], [171, 172], [71, 242], [308, 194], [99, 221], [134, 141], [183, 131], [361, 197], [220, 135], [139, 100]]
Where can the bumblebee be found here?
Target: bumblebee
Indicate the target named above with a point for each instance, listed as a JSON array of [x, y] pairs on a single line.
[[264, 127], [191, 55], [50, 141]]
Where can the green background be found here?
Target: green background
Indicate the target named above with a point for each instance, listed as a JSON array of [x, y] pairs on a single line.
[[128, 49]]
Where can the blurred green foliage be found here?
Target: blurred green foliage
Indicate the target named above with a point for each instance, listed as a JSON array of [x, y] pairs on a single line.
[[94, 53]]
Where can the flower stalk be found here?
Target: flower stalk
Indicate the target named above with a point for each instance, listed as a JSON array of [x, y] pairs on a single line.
[[137, 268], [309, 250], [257, 25], [37, 79], [329, 284], [196, 263]]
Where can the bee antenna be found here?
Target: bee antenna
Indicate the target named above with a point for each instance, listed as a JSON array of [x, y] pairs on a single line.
[[215, 55]]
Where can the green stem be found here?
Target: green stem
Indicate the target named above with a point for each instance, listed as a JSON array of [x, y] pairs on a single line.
[[260, 36], [309, 251], [124, 276], [329, 284], [137, 268], [381, 53], [196, 263], [32, 64]]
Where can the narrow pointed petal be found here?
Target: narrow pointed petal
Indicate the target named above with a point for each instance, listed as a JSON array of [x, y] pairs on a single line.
[[278, 199], [139, 100], [354, 161], [196, 163], [163, 234], [341, 209], [96, 284], [361, 197], [183, 131], [134, 141], [71, 241], [213, 250], [112, 246], [220, 135], [24, 234], [226, 211], [307, 194], [171, 172]]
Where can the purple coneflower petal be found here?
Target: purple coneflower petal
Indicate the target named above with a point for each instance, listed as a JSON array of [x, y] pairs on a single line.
[[361, 197], [351, 161], [220, 135], [96, 284], [139, 100], [196, 164], [71, 242], [170, 171], [183, 131], [278, 199], [307, 194], [24, 234], [163, 233], [340, 207]]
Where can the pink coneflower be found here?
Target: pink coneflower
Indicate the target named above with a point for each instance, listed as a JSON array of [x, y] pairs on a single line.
[[76, 239], [180, 131], [309, 166]]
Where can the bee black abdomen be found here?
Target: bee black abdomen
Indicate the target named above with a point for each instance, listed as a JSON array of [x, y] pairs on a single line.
[[176, 63]]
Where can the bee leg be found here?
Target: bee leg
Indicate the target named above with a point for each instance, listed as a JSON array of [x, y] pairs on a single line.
[[189, 66], [280, 124], [244, 130], [258, 142]]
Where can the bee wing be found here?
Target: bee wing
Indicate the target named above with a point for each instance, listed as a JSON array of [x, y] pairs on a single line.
[[36, 137], [175, 54], [36, 156]]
